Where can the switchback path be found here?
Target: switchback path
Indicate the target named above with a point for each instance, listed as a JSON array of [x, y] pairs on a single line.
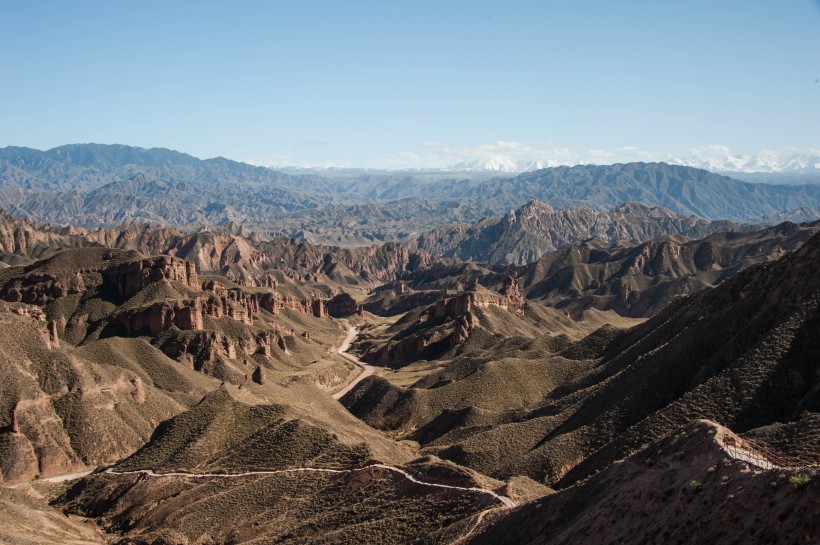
[[507, 502], [367, 370]]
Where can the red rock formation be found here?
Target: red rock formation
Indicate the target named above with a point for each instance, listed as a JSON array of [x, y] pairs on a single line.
[[342, 305], [403, 350], [206, 347], [317, 307], [259, 375], [265, 341], [132, 277], [275, 303], [186, 315], [454, 307], [464, 325], [139, 390], [39, 289], [457, 310], [237, 304], [214, 286], [515, 300]]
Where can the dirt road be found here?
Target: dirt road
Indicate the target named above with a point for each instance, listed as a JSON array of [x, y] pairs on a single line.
[[367, 370]]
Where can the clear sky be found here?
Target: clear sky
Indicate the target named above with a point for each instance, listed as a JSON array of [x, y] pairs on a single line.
[[412, 83]]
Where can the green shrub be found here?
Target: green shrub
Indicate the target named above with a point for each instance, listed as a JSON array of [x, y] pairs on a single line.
[[799, 479]]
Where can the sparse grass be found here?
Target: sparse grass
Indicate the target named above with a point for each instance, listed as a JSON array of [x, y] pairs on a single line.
[[799, 480]]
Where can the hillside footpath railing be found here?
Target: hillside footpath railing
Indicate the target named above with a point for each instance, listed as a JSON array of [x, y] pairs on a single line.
[[762, 457]]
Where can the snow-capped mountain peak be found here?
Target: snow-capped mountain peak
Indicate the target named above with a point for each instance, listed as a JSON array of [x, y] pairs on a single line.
[[503, 164], [804, 162]]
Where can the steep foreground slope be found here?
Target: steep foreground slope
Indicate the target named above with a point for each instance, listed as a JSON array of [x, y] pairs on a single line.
[[64, 408], [268, 478], [683, 489]]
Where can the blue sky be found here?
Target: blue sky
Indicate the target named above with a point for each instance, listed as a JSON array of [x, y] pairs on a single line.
[[396, 84]]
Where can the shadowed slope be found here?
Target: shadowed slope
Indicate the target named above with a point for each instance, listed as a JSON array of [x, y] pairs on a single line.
[[683, 489]]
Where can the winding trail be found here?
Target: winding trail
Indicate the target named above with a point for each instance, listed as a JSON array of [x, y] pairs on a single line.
[[151, 473], [367, 370]]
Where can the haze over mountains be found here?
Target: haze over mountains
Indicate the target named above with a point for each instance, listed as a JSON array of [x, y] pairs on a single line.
[[95, 185], [807, 162]]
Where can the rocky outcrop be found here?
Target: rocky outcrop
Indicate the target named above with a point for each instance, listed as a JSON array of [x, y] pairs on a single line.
[[446, 324], [389, 304], [259, 375], [156, 318], [275, 303], [215, 301], [342, 305], [317, 308], [264, 343], [203, 348], [130, 278], [515, 300], [398, 352], [30, 240], [454, 307], [40, 288], [234, 303], [464, 325], [53, 339]]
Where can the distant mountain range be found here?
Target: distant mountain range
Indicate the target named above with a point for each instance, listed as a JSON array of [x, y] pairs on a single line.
[[94, 185], [795, 163], [500, 164], [721, 161]]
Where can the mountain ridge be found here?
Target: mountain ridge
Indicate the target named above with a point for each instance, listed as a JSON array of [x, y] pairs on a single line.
[[87, 185], [526, 234]]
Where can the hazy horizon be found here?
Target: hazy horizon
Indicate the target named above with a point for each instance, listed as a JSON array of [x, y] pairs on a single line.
[[417, 85]]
